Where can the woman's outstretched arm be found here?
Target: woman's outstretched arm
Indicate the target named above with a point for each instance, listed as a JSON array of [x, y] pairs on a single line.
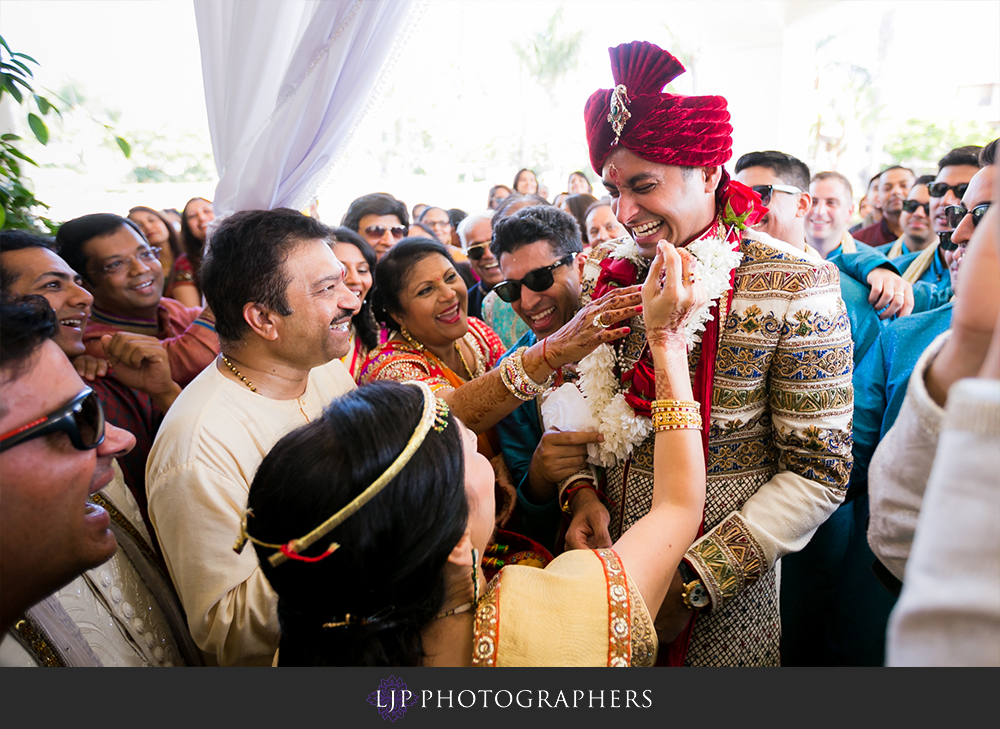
[[655, 545]]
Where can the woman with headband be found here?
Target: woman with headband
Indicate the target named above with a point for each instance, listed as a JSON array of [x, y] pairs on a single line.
[[398, 582]]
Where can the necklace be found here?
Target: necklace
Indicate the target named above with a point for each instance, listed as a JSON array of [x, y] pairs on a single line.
[[240, 375], [472, 373], [454, 611], [298, 401]]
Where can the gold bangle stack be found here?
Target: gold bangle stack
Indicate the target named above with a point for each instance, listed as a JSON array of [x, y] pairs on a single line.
[[516, 379], [675, 415]]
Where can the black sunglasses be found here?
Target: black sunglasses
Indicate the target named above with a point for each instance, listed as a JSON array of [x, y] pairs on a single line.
[[954, 214], [940, 189], [538, 280], [377, 231], [82, 419], [765, 191], [477, 251], [910, 206]]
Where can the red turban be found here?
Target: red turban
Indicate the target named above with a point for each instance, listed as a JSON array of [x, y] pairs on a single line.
[[670, 129]]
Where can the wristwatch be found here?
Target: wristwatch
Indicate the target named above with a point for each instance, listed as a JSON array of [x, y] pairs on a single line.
[[694, 594]]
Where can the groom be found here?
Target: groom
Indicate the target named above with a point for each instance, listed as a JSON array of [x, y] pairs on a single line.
[[774, 380]]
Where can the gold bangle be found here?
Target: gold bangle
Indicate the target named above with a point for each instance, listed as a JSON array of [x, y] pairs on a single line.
[[673, 420], [667, 404]]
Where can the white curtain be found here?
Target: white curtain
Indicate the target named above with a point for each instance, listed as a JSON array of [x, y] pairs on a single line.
[[286, 84]]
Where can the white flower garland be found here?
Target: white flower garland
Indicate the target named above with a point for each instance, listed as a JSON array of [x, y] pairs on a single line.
[[622, 429]]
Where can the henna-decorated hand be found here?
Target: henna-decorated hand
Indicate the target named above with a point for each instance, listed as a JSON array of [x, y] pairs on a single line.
[[593, 326], [671, 293]]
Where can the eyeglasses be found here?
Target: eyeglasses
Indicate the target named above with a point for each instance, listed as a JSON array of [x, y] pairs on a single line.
[[147, 255], [954, 214], [82, 419], [476, 251], [437, 223], [940, 189], [377, 231], [765, 191], [538, 280], [910, 206]]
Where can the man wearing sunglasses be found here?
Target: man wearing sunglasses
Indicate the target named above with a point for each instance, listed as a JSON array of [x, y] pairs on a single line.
[[123, 273], [380, 219], [955, 170], [915, 220], [884, 374], [541, 256], [476, 231], [55, 452]]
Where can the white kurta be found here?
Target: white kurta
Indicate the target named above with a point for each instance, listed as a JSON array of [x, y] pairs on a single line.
[[198, 478]]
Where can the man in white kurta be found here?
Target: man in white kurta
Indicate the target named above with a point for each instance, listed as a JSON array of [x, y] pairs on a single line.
[[278, 370]]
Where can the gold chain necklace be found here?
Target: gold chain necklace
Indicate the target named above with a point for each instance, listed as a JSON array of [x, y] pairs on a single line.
[[473, 374], [238, 374], [249, 384]]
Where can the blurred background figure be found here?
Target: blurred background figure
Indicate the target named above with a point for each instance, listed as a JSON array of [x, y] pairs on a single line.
[[525, 182]]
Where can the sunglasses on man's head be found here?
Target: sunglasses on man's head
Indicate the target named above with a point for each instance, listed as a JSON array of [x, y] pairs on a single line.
[[955, 214], [910, 206], [541, 279], [82, 419], [940, 189], [766, 191], [377, 231]]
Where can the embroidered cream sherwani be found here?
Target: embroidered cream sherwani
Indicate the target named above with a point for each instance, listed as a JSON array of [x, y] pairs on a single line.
[[779, 445]]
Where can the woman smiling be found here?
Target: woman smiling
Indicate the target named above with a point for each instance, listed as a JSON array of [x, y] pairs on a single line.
[[423, 301]]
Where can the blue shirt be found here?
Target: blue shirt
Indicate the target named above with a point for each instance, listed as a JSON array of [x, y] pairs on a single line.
[[881, 379], [519, 434]]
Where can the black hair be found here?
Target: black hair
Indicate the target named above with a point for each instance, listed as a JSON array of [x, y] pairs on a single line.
[[517, 178], [390, 564], [896, 167], [364, 320], [790, 170], [426, 228], [578, 173], [579, 205], [517, 201], [376, 203], [537, 222], [989, 154], [74, 234], [456, 216], [17, 240], [194, 248], [967, 155], [392, 273], [26, 323], [924, 180], [245, 264], [489, 198], [173, 240]]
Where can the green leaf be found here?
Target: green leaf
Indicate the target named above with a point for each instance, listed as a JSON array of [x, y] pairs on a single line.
[[23, 66], [9, 137], [18, 153], [125, 147], [3, 217], [38, 127], [24, 55], [43, 104], [13, 90], [4, 44]]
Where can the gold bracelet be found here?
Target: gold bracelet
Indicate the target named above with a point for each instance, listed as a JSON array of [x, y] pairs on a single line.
[[672, 404], [674, 420]]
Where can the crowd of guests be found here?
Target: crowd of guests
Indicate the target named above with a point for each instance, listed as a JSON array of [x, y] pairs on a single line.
[[174, 385]]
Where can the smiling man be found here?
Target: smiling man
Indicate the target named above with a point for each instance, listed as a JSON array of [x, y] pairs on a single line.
[[55, 452], [123, 273], [283, 314], [893, 185], [773, 380], [476, 232]]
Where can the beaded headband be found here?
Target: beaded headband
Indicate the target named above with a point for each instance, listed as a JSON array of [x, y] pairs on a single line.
[[435, 415]]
